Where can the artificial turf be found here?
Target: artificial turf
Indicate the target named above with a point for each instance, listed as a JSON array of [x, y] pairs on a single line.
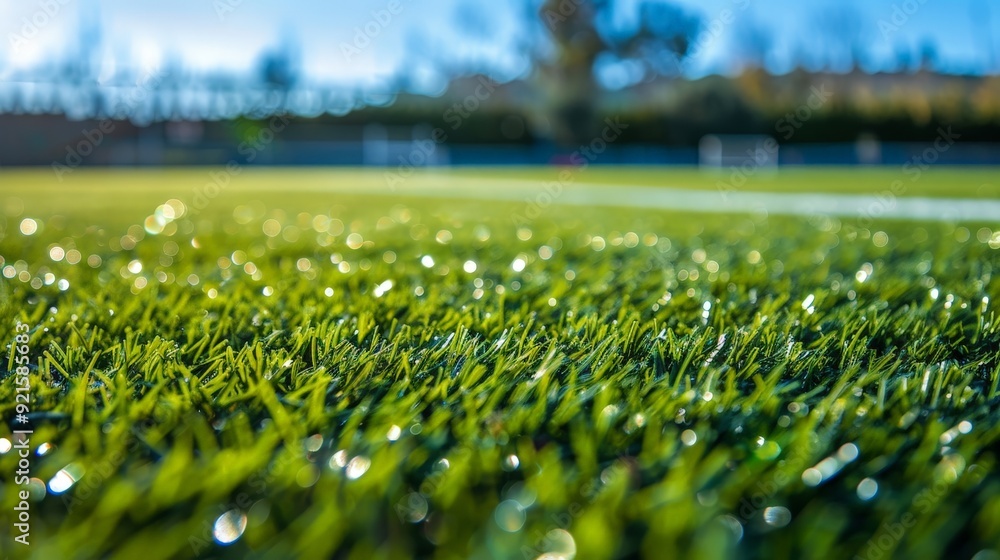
[[319, 373]]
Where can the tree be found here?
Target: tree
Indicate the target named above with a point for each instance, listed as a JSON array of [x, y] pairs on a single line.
[[578, 33], [279, 69]]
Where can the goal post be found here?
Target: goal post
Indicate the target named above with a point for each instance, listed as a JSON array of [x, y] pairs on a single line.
[[742, 151]]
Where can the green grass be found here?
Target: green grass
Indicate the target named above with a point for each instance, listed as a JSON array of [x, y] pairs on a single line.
[[649, 384]]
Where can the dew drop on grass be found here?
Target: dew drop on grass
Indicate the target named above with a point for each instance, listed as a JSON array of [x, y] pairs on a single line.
[[313, 443], [65, 478], [828, 467], [36, 489], [733, 524], [413, 507], [271, 227], [867, 489], [707, 498], [812, 477], [777, 516], [29, 226], [509, 516], [382, 288], [950, 468], [689, 438], [394, 433], [769, 451], [307, 476], [561, 545], [229, 526], [847, 452], [608, 411], [443, 237], [339, 459], [358, 466]]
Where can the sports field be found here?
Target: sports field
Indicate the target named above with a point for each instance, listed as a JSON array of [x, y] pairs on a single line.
[[354, 364]]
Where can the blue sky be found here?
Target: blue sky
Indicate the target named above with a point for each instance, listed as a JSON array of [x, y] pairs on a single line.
[[230, 34]]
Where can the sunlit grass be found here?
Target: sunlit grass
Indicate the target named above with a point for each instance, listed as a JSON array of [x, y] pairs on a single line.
[[314, 373]]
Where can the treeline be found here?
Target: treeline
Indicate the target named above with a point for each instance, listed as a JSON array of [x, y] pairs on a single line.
[[800, 107]]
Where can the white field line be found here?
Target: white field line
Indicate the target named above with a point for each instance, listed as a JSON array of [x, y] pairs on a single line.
[[528, 191], [708, 201]]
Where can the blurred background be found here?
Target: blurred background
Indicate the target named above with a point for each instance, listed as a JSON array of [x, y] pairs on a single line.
[[461, 82]]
